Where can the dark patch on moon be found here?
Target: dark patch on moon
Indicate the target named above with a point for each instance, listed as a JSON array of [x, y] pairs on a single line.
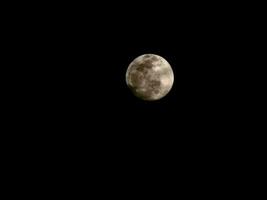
[[147, 56], [139, 68], [156, 91], [137, 78], [146, 64], [154, 58], [154, 84]]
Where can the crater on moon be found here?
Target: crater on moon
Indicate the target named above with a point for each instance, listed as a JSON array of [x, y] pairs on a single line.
[[149, 77]]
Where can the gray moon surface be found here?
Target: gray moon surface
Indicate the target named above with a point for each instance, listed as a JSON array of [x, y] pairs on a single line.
[[149, 77]]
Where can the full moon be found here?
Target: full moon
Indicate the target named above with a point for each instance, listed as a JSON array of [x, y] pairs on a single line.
[[149, 77]]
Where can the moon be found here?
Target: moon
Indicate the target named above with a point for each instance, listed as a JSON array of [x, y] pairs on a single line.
[[149, 77]]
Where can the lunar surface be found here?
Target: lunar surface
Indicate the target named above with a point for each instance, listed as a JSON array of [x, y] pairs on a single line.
[[149, 77]]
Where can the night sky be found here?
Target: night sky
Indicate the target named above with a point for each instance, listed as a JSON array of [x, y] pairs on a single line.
[[84, 61], [84, 113]]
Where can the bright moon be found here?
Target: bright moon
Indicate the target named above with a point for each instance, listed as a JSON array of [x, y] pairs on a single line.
[[149, 77]]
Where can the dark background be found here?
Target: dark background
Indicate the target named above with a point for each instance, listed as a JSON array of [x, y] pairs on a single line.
[[78, 112], [78, 60], [82, 58]]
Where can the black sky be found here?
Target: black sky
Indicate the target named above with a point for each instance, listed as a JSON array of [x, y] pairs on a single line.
[[84, 58], [77, 112]]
